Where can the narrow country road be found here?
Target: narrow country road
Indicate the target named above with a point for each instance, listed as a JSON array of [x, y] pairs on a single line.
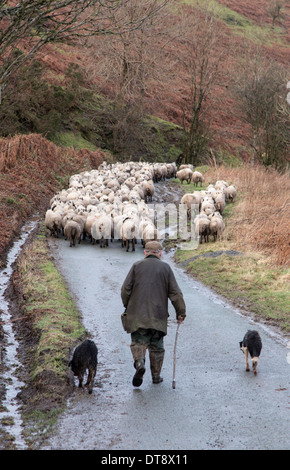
[[215, 405]]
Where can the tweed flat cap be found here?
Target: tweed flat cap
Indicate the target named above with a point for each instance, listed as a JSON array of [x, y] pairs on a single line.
[[153, 246]]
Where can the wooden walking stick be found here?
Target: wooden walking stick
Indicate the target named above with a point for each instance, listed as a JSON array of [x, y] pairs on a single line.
[[174, 354]]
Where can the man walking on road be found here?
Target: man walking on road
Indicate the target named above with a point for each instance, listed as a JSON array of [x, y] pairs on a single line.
[[145, 293]]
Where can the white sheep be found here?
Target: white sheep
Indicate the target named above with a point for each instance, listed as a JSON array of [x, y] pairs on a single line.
[[231, 193], [197, 177], [148, 189], [91, 218], [148, 231], [201, 224], [184, 175], [220, 201], [102, 229], [72, 232], [53, 222], [220, 184], [207, 205], [191, 198], [216, 225], [129, 231]]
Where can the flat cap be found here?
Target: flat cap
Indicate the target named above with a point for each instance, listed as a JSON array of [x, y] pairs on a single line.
[[153, 246]]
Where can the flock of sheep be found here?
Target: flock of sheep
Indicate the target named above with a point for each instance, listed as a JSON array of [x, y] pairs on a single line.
[[211, 203], [111, 203], [108, 203]]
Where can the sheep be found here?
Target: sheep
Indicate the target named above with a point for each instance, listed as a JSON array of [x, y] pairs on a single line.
[[201, 224], [171, 170], [207, 205], [148, 231], [130, 182], [231, 193], [163, 170], [134, 196], [220, 184], [102, 229], [148, 188], [91, 218], [220, 201], [192, 202], [73, 232], [53, 222], [67, 215], [211, 190], [80, 219], [192, 198], [129, 232], [72, 195], [186, 166], [197, 177], [157, 173], [216, 226], [184, 175], [117, 223]]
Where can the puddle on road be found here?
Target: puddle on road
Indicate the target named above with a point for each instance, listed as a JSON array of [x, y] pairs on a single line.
[[8, 356]]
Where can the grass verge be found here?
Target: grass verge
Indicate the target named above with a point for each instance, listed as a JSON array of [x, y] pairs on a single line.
[[246, 280], [49, 329]]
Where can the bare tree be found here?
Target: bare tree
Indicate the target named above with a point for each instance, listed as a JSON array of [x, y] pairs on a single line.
[[27, 26], [201, 63], [129, 62], [274, 11], [260, 89]]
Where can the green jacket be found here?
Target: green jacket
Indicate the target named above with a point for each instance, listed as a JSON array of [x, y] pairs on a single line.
[[145, 293]]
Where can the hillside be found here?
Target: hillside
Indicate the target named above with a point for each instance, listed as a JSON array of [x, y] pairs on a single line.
[[32, 169], [82, 104]]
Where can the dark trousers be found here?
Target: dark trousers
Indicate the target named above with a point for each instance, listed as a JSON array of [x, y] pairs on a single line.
[[152, 339]]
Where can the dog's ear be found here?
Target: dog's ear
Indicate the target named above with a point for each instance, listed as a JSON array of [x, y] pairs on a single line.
[[241, 344]]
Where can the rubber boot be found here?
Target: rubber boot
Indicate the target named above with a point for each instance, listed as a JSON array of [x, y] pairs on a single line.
[[156, 362], [138, 352]]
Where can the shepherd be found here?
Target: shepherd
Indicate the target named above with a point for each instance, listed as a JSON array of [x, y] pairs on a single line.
[[145, 293]]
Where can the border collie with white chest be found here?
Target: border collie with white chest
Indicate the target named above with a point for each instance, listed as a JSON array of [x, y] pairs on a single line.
[[251, 344]]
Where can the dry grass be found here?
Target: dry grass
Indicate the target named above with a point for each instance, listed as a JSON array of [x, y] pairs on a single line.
[[32, 169], [260, 220]]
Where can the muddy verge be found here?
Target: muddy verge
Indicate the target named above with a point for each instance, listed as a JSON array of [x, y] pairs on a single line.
[[47, 391], [45, 394]]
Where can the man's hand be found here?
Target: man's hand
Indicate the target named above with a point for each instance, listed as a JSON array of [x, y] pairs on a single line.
[[180, 319]]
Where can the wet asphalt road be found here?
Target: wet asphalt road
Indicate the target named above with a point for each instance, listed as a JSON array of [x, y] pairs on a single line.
[[215, 405]]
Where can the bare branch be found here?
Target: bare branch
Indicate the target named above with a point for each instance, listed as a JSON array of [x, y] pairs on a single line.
[[30, 24]]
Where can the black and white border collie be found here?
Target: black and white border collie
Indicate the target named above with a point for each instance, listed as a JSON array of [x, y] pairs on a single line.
[[251, 344]]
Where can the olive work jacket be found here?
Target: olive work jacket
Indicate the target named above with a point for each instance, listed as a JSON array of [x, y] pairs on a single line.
[[145, 292]]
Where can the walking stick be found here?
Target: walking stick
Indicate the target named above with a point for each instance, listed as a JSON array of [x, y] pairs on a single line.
[[174, 355]]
